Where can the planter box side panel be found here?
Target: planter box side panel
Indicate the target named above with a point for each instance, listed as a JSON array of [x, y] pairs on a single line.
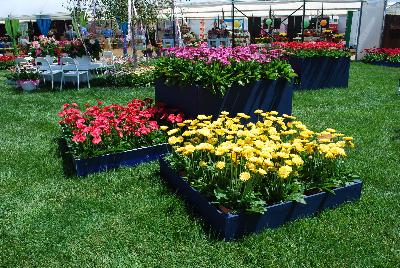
[[338, 73], [230, 226], [207, 211], [185, 99], [208, 103], [314, 73], [386, 63], [344, 194], [267, 95], [322, 72], [102, 163]]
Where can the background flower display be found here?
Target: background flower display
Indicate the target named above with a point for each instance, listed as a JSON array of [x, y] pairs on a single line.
[[313, 49], [244, 167], [76, 48], [45, 46], [79, 48], [382, 54], [27, 79], [126, 75], [98, 129], [218, 69], [6, 62]]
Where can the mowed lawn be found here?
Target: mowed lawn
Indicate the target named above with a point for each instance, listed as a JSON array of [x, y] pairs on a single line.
[[129, 218]]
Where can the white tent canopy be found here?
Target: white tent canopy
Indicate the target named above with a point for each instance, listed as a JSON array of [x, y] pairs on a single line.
[[211, 9], [29, 9]]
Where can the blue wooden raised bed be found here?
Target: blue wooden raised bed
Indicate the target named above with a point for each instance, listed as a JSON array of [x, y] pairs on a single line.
[[232, 226], [321, 72], [267, 95], [385, 63], [83, 167]]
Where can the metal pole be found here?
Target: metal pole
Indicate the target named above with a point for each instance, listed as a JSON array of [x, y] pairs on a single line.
[[359, 29], [233, 23], [302, 23], [383, 24], [322, 16], [270, 16], [173, 22]]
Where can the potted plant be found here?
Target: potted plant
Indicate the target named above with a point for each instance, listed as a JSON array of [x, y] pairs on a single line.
[[202, 80], [28, 80], [6, 62], [243, 178], [11, 78], [382, 56], [318, 64], [103, 137]]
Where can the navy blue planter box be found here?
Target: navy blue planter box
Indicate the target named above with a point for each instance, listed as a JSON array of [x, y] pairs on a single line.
[[385, 63], [231, 226], [267, 95], [129, 158], [321, 72]]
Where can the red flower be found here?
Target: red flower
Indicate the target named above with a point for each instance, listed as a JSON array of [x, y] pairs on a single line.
[[114, 123]]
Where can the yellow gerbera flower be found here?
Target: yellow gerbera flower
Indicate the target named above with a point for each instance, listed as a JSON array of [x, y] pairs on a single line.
[[284, 171], [220, 165], [244, 176]]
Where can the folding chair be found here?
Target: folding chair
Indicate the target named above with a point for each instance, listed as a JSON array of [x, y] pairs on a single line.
[[45, 69], [70, 69]]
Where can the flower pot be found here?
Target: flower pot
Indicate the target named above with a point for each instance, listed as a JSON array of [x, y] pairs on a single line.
[[86, 166], [268, 95], [321, 72], [28, 85], [231, 226]]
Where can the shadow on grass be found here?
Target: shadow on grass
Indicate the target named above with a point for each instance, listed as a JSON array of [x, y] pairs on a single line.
[[396, 136], [66, 158], [212, 235]]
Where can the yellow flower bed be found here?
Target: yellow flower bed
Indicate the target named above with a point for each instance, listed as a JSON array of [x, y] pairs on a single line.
[[229, 159]]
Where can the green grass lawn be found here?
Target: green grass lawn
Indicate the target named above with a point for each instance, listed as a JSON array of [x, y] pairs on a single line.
[[129, 218]]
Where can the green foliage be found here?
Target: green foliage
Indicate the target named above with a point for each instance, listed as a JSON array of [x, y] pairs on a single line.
[[112, 144], [381, 57], [5, 65], [147, 12], [311, 53], [26, 75], [216, 77], [125, 79]]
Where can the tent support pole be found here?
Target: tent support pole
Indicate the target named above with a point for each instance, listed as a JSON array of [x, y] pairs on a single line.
[[302, 22], [359, 29], [173, 22], [233, 23]]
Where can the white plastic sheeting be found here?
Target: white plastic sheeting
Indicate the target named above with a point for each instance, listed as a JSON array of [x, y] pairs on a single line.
[[29, 9], [372, 19]]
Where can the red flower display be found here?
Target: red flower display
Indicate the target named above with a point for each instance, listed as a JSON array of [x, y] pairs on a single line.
[[313, 49], [309, 45], [6, 58], [382, 54], [6, 62], [102, 129]]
